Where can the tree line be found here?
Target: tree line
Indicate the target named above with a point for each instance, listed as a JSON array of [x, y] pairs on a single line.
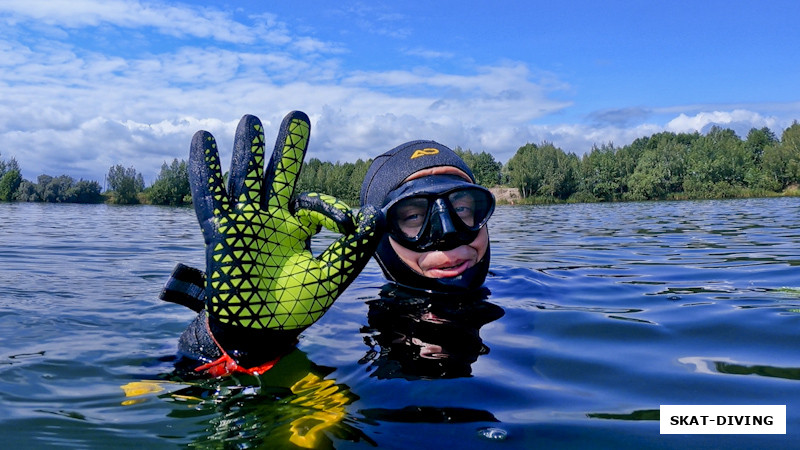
[[125, 186], [665, 165]]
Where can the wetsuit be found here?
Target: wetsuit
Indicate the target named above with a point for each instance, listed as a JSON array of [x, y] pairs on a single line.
[[415, 336]]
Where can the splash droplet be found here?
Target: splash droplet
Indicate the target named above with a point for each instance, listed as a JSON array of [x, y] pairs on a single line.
[[493, 433]]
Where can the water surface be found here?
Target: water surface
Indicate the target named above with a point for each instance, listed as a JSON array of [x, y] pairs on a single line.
[[597, 315]]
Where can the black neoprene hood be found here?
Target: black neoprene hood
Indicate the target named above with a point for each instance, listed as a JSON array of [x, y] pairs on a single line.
[[387, 173], [388, 170]]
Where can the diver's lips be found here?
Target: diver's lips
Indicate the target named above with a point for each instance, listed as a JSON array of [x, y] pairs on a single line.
[[449, 271]]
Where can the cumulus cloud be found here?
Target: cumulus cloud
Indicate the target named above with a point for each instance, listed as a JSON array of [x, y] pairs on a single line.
[[738, 119], [71, 109], [179, 21]]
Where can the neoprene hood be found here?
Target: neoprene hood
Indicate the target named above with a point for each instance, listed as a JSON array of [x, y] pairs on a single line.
[[387, 173]]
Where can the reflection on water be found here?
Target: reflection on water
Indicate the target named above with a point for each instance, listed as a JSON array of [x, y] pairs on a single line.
[[595, 315], [294, 404], [415, 337], [647, 414], [299, 403], [728, 366]]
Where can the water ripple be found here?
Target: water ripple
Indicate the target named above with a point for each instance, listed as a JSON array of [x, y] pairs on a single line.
[[606, 312]]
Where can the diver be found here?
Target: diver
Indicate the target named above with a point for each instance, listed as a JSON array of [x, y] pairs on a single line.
[[262, 286], [437, 240], [436, 256]]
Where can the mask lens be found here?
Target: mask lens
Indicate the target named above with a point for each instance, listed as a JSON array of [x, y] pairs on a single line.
[[408, 216], [419, 221], [472, 206]]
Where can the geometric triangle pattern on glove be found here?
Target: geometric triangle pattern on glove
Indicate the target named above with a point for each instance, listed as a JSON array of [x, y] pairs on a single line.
[[260, 272]]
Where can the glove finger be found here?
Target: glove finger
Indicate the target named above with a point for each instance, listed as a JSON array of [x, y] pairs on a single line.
[[346, 257], [314, 209], [247, 165], [205, 180], [287, 159], [314, 291]]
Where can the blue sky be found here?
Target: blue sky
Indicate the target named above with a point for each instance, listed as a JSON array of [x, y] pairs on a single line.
[[89, 84]]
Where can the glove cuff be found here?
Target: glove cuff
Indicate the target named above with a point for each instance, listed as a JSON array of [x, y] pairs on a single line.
[[199, 345], [252, 347]]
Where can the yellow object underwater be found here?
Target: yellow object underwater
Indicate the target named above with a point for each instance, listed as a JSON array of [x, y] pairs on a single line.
[[147, 387]]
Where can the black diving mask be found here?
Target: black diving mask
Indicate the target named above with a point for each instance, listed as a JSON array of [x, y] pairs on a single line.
[[437, 212]]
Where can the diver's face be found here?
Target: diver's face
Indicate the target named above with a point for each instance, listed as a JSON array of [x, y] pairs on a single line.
[[449, 263], [444, 264]]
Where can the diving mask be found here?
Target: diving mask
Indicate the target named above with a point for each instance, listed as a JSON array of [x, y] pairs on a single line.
[[437, 212]]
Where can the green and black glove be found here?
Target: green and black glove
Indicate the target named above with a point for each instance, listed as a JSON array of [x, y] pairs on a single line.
[[262, 281]]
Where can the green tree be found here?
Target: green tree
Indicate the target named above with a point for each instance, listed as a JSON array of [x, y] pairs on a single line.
[[27, 192], [602, 176], [357, 179], [660, 169], [57, 190], [12, 164], [483, 165], [42, 181], [61, 189], [84, 191], [314, 176], [757, 140], [306, 181], [341, 180], [717, 165], [543, 171], [172, 185], [126, 184], [627, 158], [780, 166], [10, 179], [487, 170], [9, 183], [521, 171]]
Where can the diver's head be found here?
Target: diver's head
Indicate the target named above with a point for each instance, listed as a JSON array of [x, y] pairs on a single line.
[[437, 239]]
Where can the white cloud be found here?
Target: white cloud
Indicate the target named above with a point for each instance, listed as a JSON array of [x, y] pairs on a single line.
[[68, 109], [179, 20], [429, 54], [701, 120]]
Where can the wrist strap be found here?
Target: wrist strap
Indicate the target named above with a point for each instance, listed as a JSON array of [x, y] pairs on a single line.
[[199, 344], [186, 286], [226, 365]]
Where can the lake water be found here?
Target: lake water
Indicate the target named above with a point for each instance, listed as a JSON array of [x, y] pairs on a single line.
[[597, 315]]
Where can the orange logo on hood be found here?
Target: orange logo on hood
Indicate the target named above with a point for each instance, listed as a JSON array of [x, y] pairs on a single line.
[[425, 152]]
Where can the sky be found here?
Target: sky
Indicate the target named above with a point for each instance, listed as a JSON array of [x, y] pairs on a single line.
[[89, 84]]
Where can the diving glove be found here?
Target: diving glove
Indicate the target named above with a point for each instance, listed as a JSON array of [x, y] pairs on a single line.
[[263, 286]]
